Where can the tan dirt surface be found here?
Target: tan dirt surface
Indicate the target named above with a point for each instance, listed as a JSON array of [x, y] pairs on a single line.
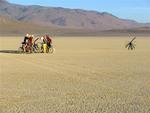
[[84, 75]]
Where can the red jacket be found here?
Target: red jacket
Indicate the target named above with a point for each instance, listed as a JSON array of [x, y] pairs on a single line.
[[49, 40], [30, 40]]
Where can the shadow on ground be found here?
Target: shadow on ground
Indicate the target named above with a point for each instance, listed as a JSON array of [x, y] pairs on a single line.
[[10, 51]]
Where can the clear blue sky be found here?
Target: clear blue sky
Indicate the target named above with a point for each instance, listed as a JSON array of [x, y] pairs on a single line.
[[138, 10]]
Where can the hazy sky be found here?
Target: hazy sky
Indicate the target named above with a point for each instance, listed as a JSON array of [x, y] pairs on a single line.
[[138, 10]]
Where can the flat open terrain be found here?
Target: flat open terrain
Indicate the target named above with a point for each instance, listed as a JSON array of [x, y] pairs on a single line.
[[84, 75]]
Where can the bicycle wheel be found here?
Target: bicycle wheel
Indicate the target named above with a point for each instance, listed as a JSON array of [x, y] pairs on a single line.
[[51, 49]]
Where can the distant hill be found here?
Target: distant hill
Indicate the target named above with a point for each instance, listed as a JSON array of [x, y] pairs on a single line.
[[63, 17], [18, 19], [11, 26]]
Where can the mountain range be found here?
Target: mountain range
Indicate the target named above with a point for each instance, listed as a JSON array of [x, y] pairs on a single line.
[[16, 19]]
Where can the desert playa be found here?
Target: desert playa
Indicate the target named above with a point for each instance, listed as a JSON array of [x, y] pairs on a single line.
[[84, 75]]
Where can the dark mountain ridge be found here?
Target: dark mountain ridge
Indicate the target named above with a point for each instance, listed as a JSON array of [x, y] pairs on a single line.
[[22, 18], [64, 17]]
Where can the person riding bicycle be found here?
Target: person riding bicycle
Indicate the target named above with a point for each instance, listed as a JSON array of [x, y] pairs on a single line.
[[30, 40], [27, 43], [24, 43], [37, 41], [30, 43], [48, 40], [25, 39]]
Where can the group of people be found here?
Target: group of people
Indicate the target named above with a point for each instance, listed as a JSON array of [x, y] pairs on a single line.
[[30, 42]]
